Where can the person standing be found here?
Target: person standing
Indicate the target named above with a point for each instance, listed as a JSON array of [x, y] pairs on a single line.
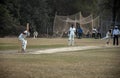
[[94, 32], [116, 33], [80, 32], [71, 35], [35, 34]]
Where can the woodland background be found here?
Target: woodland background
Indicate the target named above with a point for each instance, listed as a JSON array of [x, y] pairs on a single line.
[[14, 14]]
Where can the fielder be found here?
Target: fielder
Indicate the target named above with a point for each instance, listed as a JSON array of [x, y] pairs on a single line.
[[22, 37], [108, 37], [35, 34], [71, 35]]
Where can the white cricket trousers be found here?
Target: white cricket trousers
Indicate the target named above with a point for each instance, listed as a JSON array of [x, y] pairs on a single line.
[[71, 39], [24, 43]]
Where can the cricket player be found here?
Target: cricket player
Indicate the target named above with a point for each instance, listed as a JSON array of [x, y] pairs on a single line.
[[35, 34], [22, 37], [108, 37], [71, 35]]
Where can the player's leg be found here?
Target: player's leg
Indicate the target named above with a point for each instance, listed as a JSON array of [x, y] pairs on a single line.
[[70, 40], [114, 40], [117, 42], [108, 41], [24, 45], [34, 36]]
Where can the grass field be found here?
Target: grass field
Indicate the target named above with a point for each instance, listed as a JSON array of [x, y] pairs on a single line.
[[95, 63], [13, 43]]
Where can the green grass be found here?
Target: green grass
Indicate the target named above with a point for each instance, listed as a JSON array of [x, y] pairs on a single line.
[[8, 47], [97, 63], [15, 47], [40, 43]]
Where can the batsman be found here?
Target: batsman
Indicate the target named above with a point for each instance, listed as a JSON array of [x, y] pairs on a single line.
[[23, 41]]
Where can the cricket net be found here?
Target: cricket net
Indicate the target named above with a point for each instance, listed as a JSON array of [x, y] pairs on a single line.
[[62, 23]]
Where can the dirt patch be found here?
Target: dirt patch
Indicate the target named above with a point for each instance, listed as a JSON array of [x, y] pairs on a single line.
[[55, 50], [65, 49]]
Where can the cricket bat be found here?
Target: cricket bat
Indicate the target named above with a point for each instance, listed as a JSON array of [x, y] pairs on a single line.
[[27, 27]]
